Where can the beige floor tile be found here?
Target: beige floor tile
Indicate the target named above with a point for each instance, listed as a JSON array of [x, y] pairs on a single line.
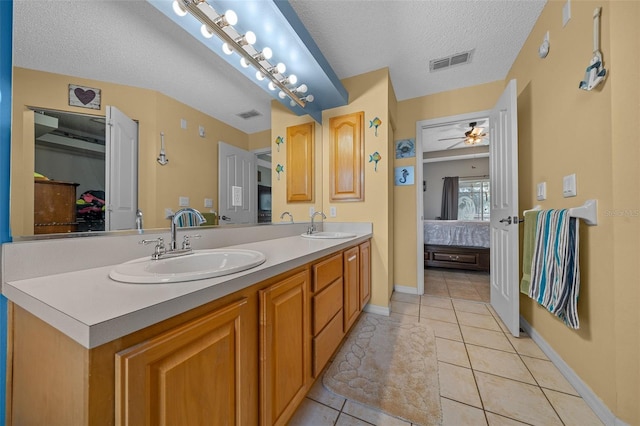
[[320, 394], [439, 314], [436, 302], [524, 345], [347, 420], [516, 400], [457, 383], [479, 277], [404, 318], [457, 414], [436, 289], [475, 308], [406, 297], [313, 413], [548, 376], [500, 363], [572, 409], [452, 351], [370, 415], [487, 338], [405, 308], [446, 330], [497, 420], [480, 321], [466, 294]]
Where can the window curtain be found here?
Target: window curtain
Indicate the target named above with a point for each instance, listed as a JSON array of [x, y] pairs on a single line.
[[449, 210]]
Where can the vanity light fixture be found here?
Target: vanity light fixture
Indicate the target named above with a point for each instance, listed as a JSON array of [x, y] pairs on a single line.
[[233, 41]]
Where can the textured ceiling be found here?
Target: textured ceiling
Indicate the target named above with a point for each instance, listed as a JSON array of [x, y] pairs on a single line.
[[132, 43]]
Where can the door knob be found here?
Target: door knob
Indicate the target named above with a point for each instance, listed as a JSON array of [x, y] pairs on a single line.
[[507, 220]]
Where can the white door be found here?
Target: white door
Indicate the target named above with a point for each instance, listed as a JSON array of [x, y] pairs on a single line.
[[121, 181], [503, 166], [237, 185]]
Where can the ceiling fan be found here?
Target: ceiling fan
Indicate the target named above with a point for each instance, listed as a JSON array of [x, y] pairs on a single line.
[[472, 136]]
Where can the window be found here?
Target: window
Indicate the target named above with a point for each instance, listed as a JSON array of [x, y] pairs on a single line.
[[474, 199]]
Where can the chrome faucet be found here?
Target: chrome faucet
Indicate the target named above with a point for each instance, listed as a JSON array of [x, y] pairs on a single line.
[[312, 227], [174, 225], [287, 213]]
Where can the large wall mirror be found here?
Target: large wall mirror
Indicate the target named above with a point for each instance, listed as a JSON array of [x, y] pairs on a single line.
[[77, 156]]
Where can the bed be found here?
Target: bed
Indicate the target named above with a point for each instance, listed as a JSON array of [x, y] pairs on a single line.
[[456, 244]]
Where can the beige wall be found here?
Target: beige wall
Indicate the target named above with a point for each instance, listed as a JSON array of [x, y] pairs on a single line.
[[470, 99], [564, 130], [192, 168], [369, 93]]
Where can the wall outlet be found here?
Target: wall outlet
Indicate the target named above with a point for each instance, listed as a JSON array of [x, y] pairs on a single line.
[[312, 210], [183, 201], [542, 191], [236, 200], [201, 131], [183, 123], [332, 212], [208, 203], [569, 186], [168, 213]]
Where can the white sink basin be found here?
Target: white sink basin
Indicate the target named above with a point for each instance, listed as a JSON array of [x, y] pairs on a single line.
[[328, 234], [199, 265]]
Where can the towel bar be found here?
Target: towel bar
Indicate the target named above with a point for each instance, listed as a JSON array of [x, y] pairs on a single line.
[[587, 212]]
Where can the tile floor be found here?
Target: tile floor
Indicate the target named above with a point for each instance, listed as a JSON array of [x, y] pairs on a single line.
[[487, 377], [457, 283]]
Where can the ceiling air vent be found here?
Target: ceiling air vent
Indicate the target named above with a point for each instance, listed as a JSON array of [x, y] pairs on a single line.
[[249, 114], [450, 61]]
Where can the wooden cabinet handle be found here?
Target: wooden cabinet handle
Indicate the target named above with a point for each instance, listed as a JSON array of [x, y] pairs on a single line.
[[352, 258]]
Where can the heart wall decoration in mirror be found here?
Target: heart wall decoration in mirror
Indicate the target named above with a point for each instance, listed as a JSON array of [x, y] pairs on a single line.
[[84, 97]]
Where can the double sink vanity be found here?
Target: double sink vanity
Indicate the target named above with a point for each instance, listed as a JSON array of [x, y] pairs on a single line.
[[234, 333]]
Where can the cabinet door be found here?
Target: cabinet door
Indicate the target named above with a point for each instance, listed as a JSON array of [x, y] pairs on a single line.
[[300, 162], [188, 375], [346, 157], [351, 286], [365, 273], [285, 365]]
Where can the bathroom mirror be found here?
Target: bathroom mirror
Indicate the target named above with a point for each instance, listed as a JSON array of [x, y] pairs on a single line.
[[159, 186]]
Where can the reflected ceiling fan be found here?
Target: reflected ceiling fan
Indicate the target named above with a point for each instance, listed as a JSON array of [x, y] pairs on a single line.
[[472, 136]]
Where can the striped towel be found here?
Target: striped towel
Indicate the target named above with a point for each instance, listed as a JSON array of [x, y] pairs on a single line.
[[555, 265]]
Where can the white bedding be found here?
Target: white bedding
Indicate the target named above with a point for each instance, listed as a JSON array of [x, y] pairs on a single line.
[[456, 233]]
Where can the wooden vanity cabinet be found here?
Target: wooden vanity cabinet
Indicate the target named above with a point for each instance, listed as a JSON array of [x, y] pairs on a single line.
[[204, 359], [284, 348], [351, 286], [365, 273]]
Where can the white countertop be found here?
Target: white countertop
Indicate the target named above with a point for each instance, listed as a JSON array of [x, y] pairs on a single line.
[[93, 309]]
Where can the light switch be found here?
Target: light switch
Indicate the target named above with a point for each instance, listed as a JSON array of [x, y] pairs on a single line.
[[569, 186], [201, 131], [332, 212], [542, 191], [208, 203], [183, 123], [183, 201], [236, 200], [168, 213], [312, 210]]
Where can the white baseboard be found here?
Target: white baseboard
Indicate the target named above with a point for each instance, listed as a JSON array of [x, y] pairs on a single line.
[[405, 289], [599, 408], [375, 309]]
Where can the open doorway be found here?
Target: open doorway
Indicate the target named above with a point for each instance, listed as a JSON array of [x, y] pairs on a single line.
[[453, 251], [264, 184]]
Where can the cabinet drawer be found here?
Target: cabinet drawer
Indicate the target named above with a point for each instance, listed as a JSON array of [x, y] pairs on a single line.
[[326, 272], [453, 257], [326, 305], [325, 344]]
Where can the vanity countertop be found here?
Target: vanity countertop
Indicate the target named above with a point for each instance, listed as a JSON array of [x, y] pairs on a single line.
[[93, 309]]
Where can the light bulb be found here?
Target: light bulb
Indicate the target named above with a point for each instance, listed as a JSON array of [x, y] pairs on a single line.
[[231, 17], [244, 62], [227, 49], [267, 53], [271, 85], [302, 88], [309, 98], [292, 79], [178, 8], [259, 75], [250, 37], [281, 67], [204, 30], [282, 95], [293, 103]]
